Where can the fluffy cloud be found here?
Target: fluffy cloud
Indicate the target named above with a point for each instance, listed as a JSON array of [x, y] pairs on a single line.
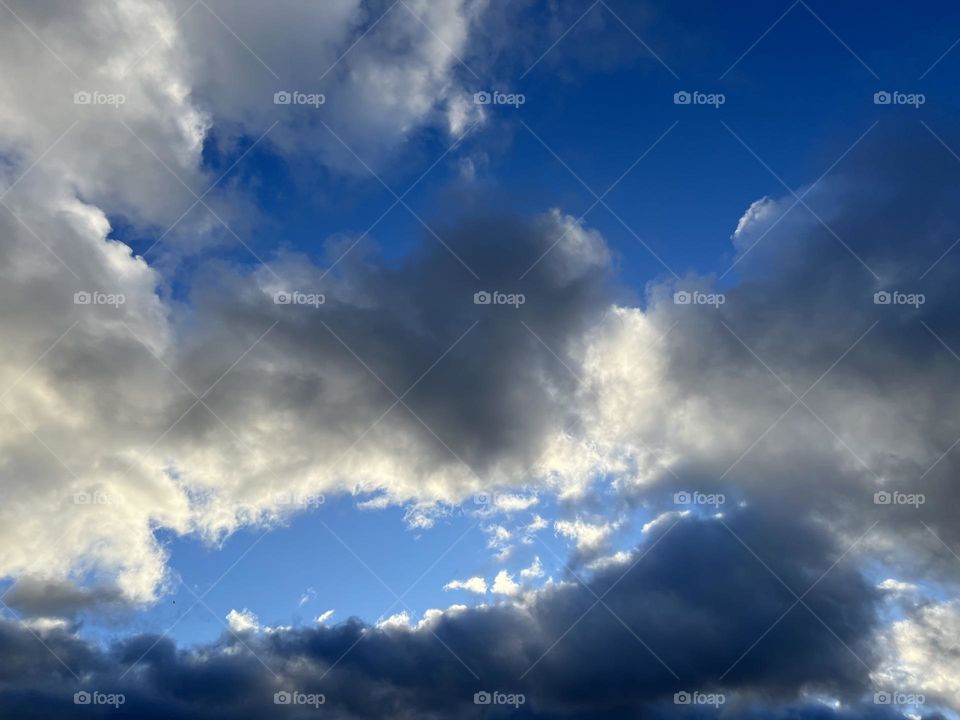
[[222, 409], [102, 431], [693, 623], [504, 584], [922, 654], [475, 585], [535, 569]]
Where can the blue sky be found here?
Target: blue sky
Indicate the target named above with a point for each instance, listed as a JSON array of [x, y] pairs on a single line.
[[585, 411]]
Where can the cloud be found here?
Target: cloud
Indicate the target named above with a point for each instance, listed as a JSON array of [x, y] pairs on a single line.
[[324, 616], [151, 456], [399, 621], [588, 537], [384, 70], [32, 597], [503, 584], [695, 620], [475, 585], [897, 586], [105, 124], [921, 654], [534, 570], [242, 621]]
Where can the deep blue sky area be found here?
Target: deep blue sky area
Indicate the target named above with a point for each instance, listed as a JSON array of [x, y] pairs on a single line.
[[799, 96]]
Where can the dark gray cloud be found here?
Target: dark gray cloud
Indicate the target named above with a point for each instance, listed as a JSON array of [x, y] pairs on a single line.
[[882, 416], [492, 397], [36, 597], [692, 593]]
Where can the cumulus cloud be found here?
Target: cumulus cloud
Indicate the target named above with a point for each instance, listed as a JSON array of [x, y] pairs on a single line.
[[107, 116], [475, 585], [242, 621], [408, 384], [504, 584], [693, 624], [534, 570], [588, 537], [922, 654]]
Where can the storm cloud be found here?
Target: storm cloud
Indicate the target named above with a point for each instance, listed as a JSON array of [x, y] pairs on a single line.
[[690, 610]]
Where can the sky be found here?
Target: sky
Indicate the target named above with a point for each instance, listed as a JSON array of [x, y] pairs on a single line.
[[412, 358]]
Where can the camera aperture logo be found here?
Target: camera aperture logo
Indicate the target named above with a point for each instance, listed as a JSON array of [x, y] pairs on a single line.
[[95, 697], [695, 97], [695, 497], [496, 97], [95, 497], [686, 297], [296, 97], [895, 297], [95, 97], [297, 499], [296, 297], [496, 297], [295, 697], [685, 697], [496, 697], [99, 298], [898, 698], [895, 497], [895, 97]]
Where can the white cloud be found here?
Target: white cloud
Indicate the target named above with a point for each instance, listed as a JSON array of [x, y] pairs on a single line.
[[503, 584], [43, 625], [432, 615], [87, 432], [589, 537], [512, 502], [618, 558], [537, 524], [324, 616], [921, 653], [499, 536], [399, 621], [242, 621], [475, 585], [535, 569], [897, 586]]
